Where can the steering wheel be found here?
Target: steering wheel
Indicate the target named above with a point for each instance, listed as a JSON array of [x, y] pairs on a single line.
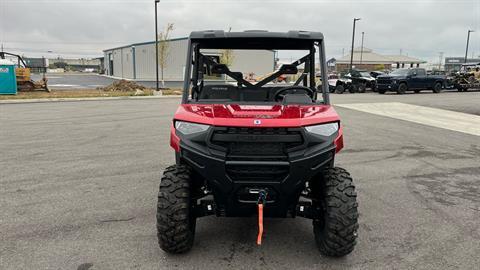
[[279, 94]]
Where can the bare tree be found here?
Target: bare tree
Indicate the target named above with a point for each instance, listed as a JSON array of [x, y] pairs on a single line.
[[227, 56], [164, 49]]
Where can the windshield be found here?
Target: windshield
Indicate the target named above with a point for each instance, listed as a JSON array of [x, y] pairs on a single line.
[[400, 72], [253, 76], [254, 66]]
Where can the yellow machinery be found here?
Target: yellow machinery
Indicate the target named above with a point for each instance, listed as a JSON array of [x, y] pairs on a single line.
[[22, 72]]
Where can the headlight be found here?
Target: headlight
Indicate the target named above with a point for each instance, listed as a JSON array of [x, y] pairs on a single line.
[[188, 128], [324, 129]]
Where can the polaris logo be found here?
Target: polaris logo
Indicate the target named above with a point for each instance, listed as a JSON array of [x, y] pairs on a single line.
[[220, 88], [257, 122], [3, 70]]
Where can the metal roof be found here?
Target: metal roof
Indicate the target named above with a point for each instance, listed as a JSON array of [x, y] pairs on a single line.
[[143, 43], [212, 34], [405, 59], [370, 57]]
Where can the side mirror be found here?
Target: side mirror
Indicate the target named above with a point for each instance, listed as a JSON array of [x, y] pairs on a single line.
[[288, 69]]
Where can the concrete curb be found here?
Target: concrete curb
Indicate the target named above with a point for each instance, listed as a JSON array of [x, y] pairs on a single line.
[[44, 100]]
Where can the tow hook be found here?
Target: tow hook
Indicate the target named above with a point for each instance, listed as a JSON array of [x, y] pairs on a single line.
[[262, 199]]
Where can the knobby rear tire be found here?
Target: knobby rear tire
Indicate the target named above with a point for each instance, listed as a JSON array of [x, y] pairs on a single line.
[[339, 89]]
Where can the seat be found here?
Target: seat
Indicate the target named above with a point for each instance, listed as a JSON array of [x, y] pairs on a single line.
[[250, 95], [219, 91]]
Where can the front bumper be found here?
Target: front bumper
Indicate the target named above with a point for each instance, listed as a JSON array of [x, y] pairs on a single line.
[[390, 86], [233, 180]]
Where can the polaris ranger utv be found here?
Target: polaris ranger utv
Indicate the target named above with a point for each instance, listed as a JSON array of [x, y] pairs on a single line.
[[245, 149]]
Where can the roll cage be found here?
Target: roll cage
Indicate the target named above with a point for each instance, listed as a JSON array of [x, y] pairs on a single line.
[[198, 64]]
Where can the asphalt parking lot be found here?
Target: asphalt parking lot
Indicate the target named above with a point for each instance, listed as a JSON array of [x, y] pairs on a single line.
[[78, 184]]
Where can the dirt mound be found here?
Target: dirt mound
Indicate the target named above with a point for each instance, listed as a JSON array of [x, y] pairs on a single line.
[[122, 86]]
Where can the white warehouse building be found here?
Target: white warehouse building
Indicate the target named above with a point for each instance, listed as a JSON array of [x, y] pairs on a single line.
[[137, 61]]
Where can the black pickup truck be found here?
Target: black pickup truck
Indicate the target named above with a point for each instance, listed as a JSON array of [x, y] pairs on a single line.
[[415, 79]]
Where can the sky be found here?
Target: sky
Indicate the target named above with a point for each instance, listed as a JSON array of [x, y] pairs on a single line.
[[84, 28]]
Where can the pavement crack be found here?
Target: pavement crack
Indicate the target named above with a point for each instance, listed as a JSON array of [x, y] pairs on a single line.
[[117, 220]]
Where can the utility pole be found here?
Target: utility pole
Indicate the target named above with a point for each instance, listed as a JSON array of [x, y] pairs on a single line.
[[156, 45], [353, 41], [343, 52], [440, 57], [361, 49], [468, 40]]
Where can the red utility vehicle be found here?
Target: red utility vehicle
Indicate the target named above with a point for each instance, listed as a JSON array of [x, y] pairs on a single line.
[[245, 149]]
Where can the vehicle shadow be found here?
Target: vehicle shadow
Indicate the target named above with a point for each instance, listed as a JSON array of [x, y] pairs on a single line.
[[222, 243]]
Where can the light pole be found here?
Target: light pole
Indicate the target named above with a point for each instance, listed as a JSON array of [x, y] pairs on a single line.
[[468, 39], [353, 40], [361, 50], [156, 45]]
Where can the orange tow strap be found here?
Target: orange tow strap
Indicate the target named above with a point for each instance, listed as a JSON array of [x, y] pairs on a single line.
[[260, 224]]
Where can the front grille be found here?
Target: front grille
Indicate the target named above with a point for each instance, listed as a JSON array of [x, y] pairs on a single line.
[[256, 142], [255, 149], [257, 145], [384, 81]]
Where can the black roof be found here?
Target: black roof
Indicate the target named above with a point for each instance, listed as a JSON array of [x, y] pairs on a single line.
[[256, 39], [209, 34]]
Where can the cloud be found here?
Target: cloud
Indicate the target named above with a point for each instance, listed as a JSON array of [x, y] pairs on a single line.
[[84, 28]]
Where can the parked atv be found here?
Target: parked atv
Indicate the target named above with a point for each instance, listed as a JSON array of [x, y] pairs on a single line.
[[356, 81], [361, 80], [465, 79], [339, 84], [256, 149]]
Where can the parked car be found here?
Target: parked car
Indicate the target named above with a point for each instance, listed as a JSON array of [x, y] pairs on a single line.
[[406, 79]]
